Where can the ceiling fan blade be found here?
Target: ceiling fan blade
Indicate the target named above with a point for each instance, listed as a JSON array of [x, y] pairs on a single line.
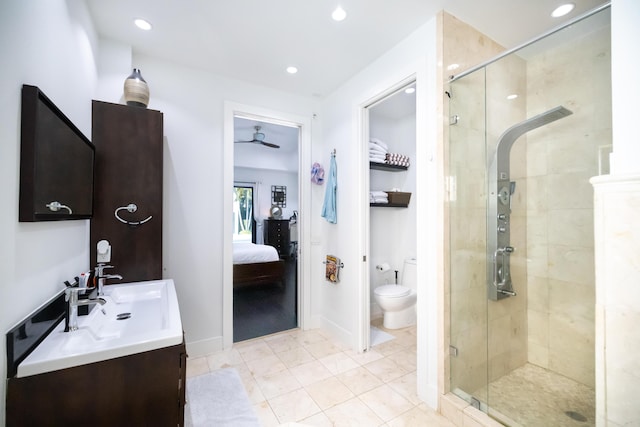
[[268, 144], [245, 142]]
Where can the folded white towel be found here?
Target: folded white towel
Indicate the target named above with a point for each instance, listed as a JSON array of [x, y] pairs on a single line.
[[380, 143], [377, 160], [376, 148], [376, 193], [382, 159], [378, 200]]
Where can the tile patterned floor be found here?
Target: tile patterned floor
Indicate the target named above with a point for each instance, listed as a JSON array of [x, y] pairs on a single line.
[[305, 377], [536, 397]]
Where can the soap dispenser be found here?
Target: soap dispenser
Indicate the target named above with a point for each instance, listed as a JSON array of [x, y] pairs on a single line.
[[104, 252]]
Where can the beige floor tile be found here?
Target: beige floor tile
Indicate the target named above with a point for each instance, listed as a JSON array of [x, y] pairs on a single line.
[[265, 415], [406, 359], [322, 349], [280, 343], [389, 347], [329, 392], [294, 406], [310, 373], [338, 363], [418, 417], [253, 389], [266, 366], [295, 356], [406, 385], [276, 384], [317, 420], [197, 366], [308, 337], [353, 413], [364, 357], [224, 359], [359, 380], [253, 350], [296, 379], [386, 369], [385, 402]]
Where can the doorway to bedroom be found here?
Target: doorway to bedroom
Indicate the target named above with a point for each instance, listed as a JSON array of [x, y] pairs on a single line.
[[265, 227]]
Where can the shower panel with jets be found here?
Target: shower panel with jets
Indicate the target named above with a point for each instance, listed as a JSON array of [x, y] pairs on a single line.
[[501, 190]]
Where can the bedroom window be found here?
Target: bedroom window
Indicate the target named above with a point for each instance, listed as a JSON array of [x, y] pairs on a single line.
[[242, 214]]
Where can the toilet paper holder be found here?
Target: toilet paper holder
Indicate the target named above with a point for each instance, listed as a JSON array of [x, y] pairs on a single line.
[[384, 267]]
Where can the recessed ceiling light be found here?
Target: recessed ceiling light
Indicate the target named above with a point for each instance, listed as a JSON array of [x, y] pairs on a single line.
[[453, 67], [339, 14], [563, 10], [410, 90], [292, 70], [142, 24], [512, 96]]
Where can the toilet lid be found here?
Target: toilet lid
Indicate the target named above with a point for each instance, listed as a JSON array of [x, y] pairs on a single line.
[[392, 291]]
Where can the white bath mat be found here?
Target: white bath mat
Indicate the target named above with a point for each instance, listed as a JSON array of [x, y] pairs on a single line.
[[377, 336], [218, 399]]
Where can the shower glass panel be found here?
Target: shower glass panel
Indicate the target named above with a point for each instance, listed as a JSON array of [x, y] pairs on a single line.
[[522, 282]]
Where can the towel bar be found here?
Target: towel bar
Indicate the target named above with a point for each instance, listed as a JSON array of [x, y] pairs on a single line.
[[341, 265]]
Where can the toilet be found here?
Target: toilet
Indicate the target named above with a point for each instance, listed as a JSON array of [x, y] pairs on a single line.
[[398, 302]]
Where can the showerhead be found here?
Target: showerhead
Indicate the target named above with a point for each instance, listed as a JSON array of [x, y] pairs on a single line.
[[514, 132]]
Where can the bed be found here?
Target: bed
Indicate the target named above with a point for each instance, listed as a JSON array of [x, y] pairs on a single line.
[[256, 265]]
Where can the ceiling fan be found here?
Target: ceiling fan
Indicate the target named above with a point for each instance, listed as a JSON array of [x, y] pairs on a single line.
[[258, 138]]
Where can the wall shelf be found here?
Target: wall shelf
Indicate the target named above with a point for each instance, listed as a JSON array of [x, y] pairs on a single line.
[[389, 205], [386, 167]]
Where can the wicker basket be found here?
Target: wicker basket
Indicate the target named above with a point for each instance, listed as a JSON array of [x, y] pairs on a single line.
[[398, 198]]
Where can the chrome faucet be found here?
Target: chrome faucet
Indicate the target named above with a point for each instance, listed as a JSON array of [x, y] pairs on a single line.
[[73, 302], [101, 277]]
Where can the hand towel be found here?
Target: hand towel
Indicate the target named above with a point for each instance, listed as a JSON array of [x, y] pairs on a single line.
[[329, 207]]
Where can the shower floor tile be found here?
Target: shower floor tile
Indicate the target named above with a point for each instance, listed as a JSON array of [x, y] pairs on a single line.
[[531, 396]]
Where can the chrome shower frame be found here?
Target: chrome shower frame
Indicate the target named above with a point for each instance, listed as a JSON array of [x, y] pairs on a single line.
[[501, 190]]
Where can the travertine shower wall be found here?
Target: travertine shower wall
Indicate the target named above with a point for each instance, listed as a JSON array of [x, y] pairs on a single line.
[[561, 157], [470, 311]]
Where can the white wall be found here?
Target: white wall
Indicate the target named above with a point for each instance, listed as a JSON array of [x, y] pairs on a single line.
[[625, 15], [193, 105], [35, 258], [338, 306]]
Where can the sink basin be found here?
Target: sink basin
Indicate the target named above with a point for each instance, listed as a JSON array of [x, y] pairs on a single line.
[[137, 317]]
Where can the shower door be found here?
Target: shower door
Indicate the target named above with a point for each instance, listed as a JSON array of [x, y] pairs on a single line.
[[526, 133], [468, 238]]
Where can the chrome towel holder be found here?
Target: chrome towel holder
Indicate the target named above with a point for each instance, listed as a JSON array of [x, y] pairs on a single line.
[[131, 207]]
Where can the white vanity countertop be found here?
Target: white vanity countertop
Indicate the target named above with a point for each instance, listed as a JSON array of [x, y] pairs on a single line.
[[154, 323]]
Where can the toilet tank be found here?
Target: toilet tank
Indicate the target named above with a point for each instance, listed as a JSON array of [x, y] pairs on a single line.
[[410, 273]]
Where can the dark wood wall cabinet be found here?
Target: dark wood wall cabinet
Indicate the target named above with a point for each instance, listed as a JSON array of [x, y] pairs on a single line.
[[128, 170], [276, 234], [144, 389]]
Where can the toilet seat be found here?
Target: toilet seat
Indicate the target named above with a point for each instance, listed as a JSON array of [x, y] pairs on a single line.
[[392, 291]]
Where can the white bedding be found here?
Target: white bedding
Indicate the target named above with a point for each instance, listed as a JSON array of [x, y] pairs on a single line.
[[249, 253]]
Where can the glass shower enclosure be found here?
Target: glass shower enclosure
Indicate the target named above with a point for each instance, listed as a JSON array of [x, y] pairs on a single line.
[[526, 133]]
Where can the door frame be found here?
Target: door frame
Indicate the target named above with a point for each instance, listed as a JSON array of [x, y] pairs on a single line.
[[364, 294], [232, 110]]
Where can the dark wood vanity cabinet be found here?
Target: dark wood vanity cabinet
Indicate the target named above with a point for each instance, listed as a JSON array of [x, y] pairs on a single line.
[[276, 234], [144, 389], [128, 143]]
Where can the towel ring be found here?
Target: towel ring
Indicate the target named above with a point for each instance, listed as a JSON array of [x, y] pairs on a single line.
[[130, 208]]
